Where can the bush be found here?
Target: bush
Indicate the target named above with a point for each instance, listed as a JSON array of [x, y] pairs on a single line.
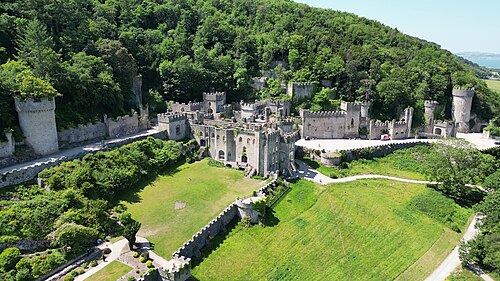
[[135, 255], [215, 163], [74, 273], [93, 263], [81, 271], [85, 265], [69, 277], [143, 260], [149, 264], [145, 255], [131, 278], [107, 251], [9, 258]]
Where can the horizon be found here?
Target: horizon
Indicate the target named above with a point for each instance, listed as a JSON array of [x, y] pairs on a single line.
[[442, 22]]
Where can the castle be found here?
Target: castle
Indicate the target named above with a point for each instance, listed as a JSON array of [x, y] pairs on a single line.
[[257, 137], [351, 121], [463, 120]]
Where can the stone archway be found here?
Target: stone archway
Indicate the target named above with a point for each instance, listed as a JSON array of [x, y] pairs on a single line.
[[244, 159], [438, 131], [221, 155]]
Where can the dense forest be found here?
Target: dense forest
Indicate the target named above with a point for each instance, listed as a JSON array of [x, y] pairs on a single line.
[[88, 52]]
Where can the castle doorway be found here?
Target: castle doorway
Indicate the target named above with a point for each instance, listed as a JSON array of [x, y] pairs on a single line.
[[203, 143], [438, 131], [244, 159], [221, 155]]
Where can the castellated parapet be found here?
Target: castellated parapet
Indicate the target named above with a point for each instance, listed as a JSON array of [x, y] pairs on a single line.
[[37, 120], [214, 102], [462, 105], [429, 114], [175, 124], [300, 90]]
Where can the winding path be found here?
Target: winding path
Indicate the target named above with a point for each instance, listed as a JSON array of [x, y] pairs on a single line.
[[451, 262]]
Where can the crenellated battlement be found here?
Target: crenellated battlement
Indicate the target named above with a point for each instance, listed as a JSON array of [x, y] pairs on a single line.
[[379, 124], [171, 117], [34, 106], [463, 92], [323, 114], [214, 96], [429, 103]]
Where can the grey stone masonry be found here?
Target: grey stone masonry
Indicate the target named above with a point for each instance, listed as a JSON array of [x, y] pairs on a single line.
[[37, 120]]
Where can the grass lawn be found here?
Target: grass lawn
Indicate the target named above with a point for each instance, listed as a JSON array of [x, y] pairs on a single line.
[[493, 84], [110, 272], [403, 163], [201, 193], [362, 230]]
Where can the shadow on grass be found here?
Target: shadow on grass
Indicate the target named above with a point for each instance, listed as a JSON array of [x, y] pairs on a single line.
[[472, 196], [215, 243], [271, 220], [132, 195]]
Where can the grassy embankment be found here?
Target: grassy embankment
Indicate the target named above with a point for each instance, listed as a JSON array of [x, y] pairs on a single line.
[[362, 230], [111, 272], [405, 163], [201, 193]]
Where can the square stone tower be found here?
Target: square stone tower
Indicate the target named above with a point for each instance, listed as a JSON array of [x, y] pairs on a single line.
[[214, 102]]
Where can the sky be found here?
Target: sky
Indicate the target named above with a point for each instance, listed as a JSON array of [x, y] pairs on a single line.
[[458, 26]]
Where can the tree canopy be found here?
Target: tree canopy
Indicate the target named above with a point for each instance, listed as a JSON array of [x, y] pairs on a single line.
[[183, 48]]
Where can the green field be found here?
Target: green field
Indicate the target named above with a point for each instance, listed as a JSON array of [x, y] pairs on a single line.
[[403, 163], [362, 230], [110, 272], [493, 84], [204, 190]]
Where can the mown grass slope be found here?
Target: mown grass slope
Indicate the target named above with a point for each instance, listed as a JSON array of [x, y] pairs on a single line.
[[111, 272], [363, 230], [204, 190], [493, 84]]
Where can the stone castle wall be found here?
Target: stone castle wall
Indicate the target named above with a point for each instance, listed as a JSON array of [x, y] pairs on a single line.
[[38, 122], [125, 125], [324, 124], [462, 105], [377, 151], [192, 248], [82, 133], [8, 147], [300, 90], [28, 173]]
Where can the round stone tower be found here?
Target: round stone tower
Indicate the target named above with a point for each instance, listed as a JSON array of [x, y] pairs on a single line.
[[462, 105], [37, 120], [430, 111]]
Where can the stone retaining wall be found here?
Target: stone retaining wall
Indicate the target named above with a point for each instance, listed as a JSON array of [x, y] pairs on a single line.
[[377, 151]]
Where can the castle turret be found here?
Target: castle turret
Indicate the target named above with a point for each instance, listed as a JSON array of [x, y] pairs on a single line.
[[462, 105], [429, 113], [214, 102], [352, 121], [408, 120], [37, 120]]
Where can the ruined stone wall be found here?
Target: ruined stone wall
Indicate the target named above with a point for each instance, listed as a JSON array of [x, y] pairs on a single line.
[[323, 124], [123, 125], [301, 90], [37, 120], [175, 125], [375, 129], [183, 107], [398, 130]]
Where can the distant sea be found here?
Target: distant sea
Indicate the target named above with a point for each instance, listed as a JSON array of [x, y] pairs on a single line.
[[483, 59]]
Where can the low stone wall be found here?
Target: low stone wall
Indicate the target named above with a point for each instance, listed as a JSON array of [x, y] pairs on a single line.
[[125, 125], [377, 151]]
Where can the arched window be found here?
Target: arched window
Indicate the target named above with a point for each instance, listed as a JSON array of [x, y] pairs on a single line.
[[352, 121], [178, 130], [240, 139], [248, 141], [221, 155], [244, 149], [213, 135]]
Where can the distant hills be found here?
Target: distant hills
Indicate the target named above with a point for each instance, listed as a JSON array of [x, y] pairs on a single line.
[[483, 59]]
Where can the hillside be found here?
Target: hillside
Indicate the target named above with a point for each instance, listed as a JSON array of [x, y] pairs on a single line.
[[90, 51]]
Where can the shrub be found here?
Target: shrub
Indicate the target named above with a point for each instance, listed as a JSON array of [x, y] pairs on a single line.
[[81, 271], [74, 273], [107, 251], [131, 278], [149, 264], [93, 263], [85, 265], [142, 260], [135, 255], [8, 258], [246, 222], [145, 255], [215, 163], [69, 277]]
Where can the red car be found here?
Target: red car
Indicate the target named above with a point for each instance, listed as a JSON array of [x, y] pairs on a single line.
[[385, 137]]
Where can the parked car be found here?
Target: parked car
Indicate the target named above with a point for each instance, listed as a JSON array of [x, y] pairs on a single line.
[[385, 137]]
